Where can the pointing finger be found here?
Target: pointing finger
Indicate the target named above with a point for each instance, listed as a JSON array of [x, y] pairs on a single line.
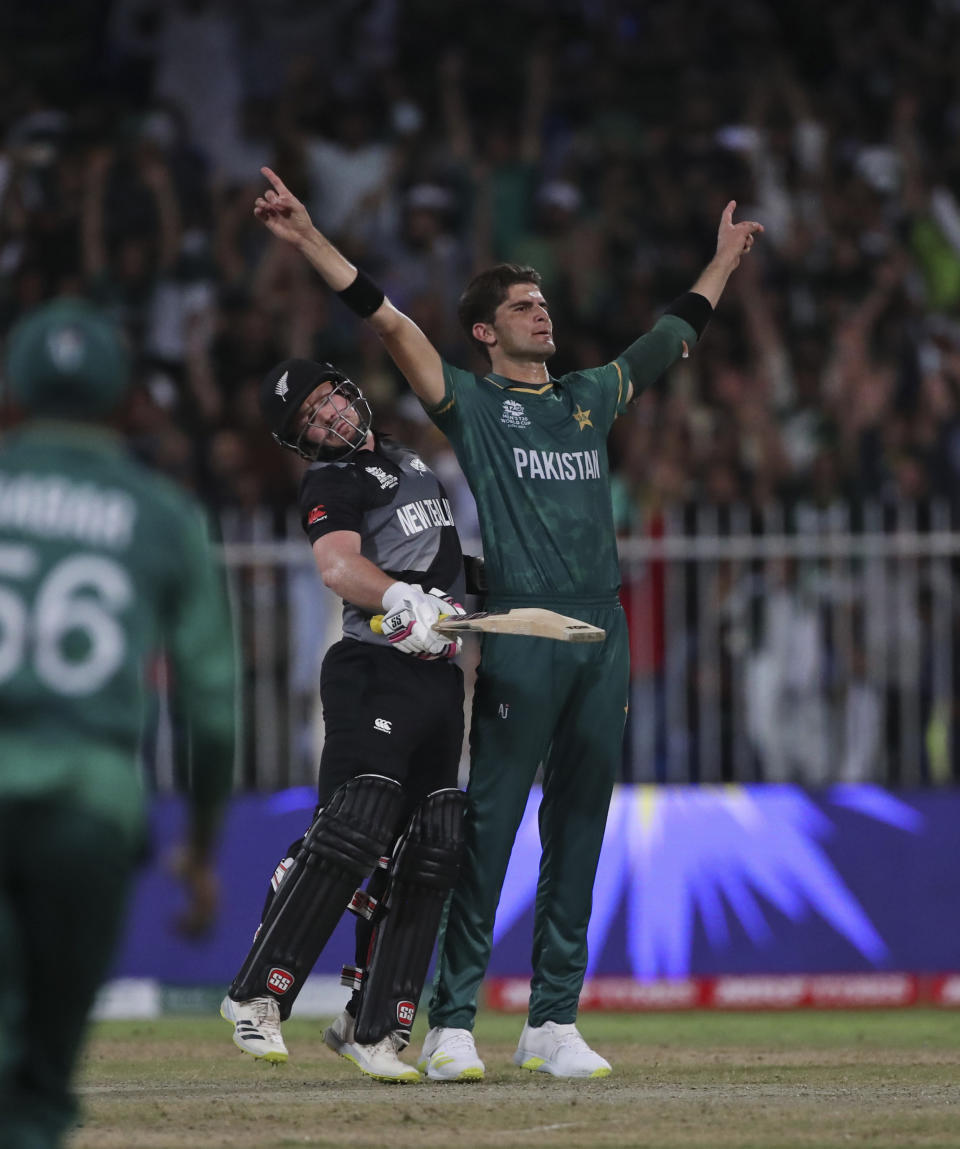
[[728, 211], [277, 182]]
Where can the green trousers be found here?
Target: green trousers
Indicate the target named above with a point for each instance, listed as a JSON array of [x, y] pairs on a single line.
[[562, 704], [63, 888]]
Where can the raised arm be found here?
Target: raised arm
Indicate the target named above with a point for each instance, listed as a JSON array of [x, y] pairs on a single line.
[[415, 356], [654, 352], [155, 175], [734, 240], [93, 243], [455, 118], [201, 647]]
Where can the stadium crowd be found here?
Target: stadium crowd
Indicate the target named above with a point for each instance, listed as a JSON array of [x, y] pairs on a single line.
[[597, 140]]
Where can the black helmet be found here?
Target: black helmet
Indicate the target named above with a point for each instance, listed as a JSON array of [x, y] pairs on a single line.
[[65, 358], [283, 392]]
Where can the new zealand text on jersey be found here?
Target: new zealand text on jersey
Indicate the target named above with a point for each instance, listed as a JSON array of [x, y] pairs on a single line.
[[556, 464], [423, 514]]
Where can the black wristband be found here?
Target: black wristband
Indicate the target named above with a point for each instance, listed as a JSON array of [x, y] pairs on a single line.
[[476, 575], [694, 308], [363, 297]]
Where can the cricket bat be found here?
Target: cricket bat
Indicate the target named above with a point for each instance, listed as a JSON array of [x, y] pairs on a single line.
[[534, 621]]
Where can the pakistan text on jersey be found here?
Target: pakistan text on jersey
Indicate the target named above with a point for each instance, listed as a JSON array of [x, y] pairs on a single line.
[[423, 514], [52, 506], [556, 464]]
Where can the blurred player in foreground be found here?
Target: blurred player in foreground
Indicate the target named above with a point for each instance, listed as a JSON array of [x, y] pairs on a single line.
[[102, 563], [383, 539], [533, 449]]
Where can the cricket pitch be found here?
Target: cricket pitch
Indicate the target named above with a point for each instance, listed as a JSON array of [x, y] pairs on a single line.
[[681, 1081]]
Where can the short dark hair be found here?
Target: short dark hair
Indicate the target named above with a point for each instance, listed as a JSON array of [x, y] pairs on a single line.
[[486, 291]]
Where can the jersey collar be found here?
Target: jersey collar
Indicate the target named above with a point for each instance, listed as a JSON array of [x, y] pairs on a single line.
[[502, 383]]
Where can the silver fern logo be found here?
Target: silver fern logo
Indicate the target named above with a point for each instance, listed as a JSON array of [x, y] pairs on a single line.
[[281, 388]]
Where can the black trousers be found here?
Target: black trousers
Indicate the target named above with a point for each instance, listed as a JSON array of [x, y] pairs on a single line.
[[388, 713]]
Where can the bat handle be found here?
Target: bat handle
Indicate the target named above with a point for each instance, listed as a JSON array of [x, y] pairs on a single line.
[[376, 623]]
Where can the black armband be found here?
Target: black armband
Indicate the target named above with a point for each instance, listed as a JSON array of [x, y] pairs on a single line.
[[363, 297], [694, 308]]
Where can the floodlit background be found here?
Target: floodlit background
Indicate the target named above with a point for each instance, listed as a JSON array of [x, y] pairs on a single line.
[[787, 497]]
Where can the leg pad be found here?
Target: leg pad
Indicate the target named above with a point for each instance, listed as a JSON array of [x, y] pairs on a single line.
[[425, 865], [341, 848]]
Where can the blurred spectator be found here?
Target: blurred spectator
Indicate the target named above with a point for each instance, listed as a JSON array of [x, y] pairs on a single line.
[[130, 229], [841, 340], [787, 721], [426, 265], [349, 168]]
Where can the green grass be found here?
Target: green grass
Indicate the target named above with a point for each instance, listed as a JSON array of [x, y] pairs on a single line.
[[696, 1081]]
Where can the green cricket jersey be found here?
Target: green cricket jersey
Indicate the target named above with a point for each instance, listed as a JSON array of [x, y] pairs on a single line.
[[536, 460], [102, 563]]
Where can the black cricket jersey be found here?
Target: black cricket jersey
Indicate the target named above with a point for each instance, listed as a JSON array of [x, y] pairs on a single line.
[[398, 507]]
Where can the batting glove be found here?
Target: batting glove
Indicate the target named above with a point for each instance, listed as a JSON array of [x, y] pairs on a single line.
[[409, 617]]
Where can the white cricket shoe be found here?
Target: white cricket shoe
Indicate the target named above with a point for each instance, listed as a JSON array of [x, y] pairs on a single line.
[[256, 1027], [379, 1060], [560, 1050], [450, 1055]]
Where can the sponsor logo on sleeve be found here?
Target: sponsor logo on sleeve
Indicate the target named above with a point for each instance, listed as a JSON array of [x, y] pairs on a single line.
[[384, 478], [316, 514]]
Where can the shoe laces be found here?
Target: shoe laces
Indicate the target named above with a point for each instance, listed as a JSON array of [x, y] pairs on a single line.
[[386, 1045], [458, 1041], [572, 1039], [266, 1014]]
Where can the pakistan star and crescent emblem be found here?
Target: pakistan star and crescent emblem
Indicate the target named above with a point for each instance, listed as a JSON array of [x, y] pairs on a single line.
[[582, 417]]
